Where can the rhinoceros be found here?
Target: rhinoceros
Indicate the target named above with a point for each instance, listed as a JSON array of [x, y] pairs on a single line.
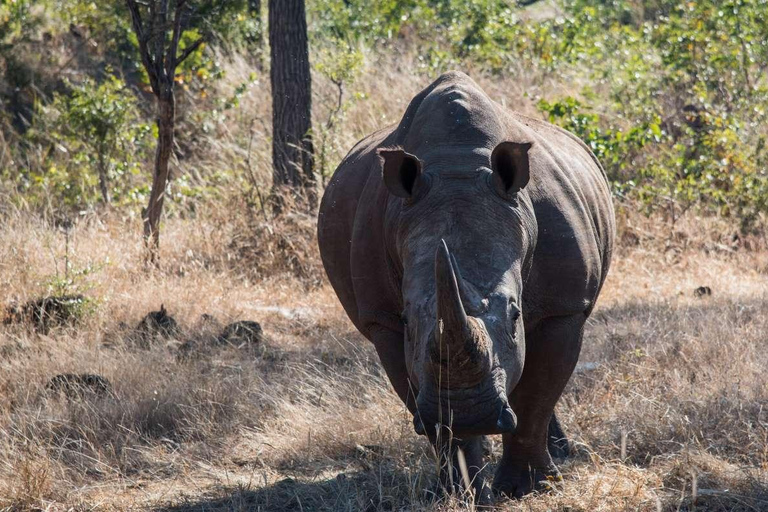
[[469, 244]]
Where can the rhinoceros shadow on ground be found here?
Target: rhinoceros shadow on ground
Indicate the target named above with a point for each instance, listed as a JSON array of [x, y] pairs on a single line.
[[355, 491], [361, 491]]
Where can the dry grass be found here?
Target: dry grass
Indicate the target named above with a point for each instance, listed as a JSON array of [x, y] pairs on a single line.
[[307, 420]]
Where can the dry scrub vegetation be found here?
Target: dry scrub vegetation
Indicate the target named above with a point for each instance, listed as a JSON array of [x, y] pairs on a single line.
[[668, 411]]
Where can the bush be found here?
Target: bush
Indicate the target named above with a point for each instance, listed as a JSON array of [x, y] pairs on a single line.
[[670, 95], [97, 144]]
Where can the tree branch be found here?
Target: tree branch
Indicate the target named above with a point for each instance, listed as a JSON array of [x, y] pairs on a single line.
[[146, 58], [170, 54], [171, 59], [160, 21], [189, 50]]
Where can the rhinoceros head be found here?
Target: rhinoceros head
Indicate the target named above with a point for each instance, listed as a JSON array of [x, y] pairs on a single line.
[[462, 234]]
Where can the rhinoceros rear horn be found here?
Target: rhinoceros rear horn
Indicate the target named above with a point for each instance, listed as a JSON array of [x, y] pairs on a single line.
[[401, 171], [509, 162]]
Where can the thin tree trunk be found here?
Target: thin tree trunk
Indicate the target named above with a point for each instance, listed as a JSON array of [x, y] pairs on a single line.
[[103, 178], [165, 120], [292, 149], [257, 40]]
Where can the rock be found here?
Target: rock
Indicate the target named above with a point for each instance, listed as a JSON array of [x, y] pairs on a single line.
[[157, 324], [79, 385], [244, 332], [586, 366], [47, 312]]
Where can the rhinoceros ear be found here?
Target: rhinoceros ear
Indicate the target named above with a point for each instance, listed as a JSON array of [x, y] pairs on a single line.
[[509, 162], [401, 171]]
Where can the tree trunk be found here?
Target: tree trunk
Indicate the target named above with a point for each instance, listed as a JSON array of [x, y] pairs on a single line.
[[165, 120], [103, 178], [292, 151]]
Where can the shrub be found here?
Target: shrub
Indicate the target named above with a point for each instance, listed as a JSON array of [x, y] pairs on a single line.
[[97, 145]]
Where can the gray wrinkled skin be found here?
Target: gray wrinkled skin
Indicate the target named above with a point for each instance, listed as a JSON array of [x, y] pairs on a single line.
[[469, 243]]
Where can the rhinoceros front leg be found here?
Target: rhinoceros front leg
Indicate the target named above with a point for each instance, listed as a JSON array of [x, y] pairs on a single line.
[[557, 443], [451, 478], [551, 352], [391, 350]]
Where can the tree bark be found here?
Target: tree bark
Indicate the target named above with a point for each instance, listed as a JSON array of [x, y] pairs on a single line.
[[166, 110], [292, 149]]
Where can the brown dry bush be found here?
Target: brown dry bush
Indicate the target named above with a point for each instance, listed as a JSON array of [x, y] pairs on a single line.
[[284, 245]]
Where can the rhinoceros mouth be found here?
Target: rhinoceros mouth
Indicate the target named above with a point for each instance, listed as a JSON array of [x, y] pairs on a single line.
[[495, 420], [464, 412]]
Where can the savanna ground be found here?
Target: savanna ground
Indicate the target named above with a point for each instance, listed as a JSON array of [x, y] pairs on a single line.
[[666, 411]]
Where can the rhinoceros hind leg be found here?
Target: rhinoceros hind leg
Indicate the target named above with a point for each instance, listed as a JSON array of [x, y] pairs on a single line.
[[552, 350], [557, 442]]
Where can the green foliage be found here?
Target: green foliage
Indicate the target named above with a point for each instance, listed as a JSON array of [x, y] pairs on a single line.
[[17, 21], [73, 281], [360, 20], [98, 128], [107, 24], [670, 95], [616, 149], [341, 64]]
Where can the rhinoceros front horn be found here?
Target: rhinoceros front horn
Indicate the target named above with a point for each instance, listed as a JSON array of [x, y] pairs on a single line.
[[452, 319]]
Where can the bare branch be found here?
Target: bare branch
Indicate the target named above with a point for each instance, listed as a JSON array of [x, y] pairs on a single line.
[[143, 37], [170, 55], [160, 25], [136, 19], [189, 50]]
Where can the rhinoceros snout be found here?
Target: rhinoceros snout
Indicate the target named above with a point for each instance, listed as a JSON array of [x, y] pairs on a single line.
[[487, 413]]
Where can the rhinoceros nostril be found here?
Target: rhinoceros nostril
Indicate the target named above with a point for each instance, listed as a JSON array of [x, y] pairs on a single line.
[[507, 422]]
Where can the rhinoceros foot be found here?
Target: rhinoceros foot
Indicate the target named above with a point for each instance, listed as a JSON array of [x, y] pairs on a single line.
[[516, 481]]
